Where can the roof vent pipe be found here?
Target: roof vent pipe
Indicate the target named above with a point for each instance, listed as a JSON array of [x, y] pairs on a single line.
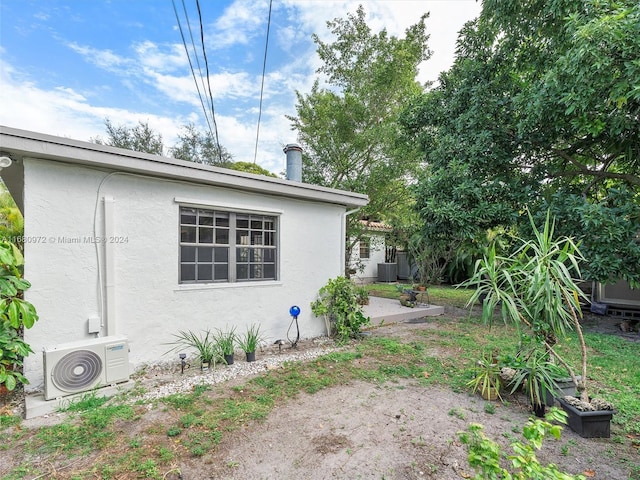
[[294, 161]]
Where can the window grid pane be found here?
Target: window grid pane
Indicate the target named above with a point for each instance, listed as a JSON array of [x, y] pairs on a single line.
[[206, 237]]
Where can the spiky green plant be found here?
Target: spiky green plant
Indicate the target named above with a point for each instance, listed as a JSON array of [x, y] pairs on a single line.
[[535, 289]]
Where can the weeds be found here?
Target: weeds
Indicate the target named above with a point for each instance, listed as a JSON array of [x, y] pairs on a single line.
[[194, 423]]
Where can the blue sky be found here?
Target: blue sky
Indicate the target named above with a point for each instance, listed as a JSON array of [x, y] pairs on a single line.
[[66, 65]]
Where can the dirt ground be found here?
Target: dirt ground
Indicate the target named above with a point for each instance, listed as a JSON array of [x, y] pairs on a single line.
[[394, 431]]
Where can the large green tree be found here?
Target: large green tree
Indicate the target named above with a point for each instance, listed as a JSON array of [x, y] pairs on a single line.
[[141, 138], [541, 108], [193, 145], [349, 128], [199, 147]]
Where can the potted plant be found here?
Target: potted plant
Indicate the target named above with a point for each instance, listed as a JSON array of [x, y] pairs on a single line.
[[536, 291], [487, 378], [535, 373], [204, 343], [362, 295], [250, 340], [225, 341], [408, 297], [16, 314]]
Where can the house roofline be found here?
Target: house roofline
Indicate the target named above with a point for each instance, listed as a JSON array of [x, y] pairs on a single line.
[[26, 144]]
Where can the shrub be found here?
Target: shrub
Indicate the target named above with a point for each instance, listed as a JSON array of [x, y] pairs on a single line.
[[338, 303], [485, 454]]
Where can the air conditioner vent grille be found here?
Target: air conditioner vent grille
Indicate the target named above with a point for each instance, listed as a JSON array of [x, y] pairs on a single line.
[[74, 367], [77, 370]]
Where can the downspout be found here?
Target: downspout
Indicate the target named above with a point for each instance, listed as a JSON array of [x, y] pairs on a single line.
[[109, 267], [344, 237]]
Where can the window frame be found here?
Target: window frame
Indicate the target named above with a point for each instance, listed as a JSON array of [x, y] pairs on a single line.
[[260, 226], [366, 243]]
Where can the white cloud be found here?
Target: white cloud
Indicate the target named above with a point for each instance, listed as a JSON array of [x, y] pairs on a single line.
[[105, 59], [238, 24], [151, 56], [157, 78]]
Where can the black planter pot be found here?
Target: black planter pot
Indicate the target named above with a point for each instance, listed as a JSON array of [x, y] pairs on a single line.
[[566, 387], [251, 356], [228, 359], [588, 424], [539, 409]]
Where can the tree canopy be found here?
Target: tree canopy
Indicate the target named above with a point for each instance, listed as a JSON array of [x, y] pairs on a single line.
[[196, 146], [349, 128], [542, 109], [193, 145], [140, 138]]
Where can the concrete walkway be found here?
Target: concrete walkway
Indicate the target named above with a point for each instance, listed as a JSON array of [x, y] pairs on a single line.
[[390, 311]]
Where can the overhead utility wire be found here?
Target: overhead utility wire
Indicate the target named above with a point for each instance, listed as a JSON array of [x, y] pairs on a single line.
[[195, 53], [264, 67], [206, 64], [193, 73]]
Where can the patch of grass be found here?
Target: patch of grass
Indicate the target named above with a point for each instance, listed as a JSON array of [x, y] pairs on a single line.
[[201, 442], [7, 421], [438, 294], [458, 413], [181, 401], [195, 422], [100, 418], [189, 420], [148, 469], [165, 454], [87, 401]]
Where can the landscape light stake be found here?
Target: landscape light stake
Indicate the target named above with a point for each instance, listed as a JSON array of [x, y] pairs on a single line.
[[183, 362], [294, 312]]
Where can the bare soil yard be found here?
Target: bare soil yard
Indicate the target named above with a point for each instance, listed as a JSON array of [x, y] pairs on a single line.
[[394, 430]]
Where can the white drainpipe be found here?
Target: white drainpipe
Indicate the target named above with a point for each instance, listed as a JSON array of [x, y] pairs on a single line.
[[343, 249], [109, 267]]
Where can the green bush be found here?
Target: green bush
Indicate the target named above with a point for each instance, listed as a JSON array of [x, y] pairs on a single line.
[[15, 315], [485, 455], [338, 303]]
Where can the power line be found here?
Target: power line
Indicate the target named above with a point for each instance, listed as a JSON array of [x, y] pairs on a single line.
[[206, 64], [193, 73], [264, 67], [193, 45]]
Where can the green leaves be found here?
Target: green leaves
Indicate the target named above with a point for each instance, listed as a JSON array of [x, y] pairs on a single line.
[[349, 127], [15, 314], [338, 303], [543, 98], [485, 454]]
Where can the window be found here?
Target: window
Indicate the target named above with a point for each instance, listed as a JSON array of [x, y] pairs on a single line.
[[365, 246], [223, 246]]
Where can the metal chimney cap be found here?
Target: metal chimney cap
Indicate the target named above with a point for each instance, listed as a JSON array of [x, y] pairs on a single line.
[[291, 146]]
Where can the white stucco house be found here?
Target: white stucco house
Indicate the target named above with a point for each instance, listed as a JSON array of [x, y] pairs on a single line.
[[368, 252], [120, 243]]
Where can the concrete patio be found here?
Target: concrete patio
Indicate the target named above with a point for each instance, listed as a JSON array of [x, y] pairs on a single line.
[[389, 310]]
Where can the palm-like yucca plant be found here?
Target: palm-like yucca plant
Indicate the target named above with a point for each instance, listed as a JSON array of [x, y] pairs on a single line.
[[204, 343], [251, 338], [535, 289]]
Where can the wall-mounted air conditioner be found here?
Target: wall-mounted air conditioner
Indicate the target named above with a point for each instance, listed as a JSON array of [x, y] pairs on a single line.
[[81, 366]]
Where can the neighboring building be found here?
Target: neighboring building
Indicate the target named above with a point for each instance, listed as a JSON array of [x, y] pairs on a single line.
[[369, 251], [126, 243]]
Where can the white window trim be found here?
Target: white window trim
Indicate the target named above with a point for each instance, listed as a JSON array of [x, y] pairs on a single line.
[[231, 207], [222, 206]]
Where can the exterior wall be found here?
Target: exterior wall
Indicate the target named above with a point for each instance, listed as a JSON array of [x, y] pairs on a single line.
[[150, 305], [369, 272]]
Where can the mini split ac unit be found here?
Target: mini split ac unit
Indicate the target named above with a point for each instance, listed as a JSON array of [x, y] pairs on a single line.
[[81, 366]]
